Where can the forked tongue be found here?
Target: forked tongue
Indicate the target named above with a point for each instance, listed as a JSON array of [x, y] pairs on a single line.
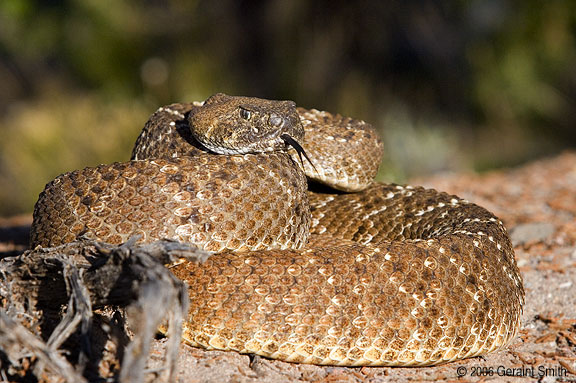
[[288, 140]]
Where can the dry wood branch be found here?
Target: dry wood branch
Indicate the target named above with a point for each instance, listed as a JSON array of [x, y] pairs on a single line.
[[14, 337], [80, 276]]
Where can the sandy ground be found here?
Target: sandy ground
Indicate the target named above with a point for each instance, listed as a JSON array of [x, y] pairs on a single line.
[[537, 202]]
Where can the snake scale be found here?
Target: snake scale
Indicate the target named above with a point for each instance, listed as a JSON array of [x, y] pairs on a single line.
[[354, 273]]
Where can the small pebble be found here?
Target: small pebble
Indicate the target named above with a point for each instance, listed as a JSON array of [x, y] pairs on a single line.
[[531, 232]]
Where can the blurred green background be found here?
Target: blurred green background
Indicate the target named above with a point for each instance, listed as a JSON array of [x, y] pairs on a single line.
[[451, 85]]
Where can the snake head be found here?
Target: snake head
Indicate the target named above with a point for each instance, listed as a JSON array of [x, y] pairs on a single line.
[[238, 125]]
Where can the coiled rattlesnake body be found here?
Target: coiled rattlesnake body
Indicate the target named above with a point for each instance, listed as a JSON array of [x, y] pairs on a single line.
[[380, 275]]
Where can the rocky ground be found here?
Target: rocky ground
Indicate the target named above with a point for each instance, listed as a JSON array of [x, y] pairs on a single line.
[[537, 202]]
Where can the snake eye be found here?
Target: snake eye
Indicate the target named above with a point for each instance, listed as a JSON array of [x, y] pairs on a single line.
[[245, 113]]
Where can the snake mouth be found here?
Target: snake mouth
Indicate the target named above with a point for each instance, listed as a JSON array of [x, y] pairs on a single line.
[[288, 140]]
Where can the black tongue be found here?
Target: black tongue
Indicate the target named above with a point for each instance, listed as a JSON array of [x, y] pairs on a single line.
[[288, 140]]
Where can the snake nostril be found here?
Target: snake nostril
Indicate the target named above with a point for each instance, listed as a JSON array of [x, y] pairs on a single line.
[[276, 120]]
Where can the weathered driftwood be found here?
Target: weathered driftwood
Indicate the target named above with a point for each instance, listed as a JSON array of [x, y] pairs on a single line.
[[82, 277]]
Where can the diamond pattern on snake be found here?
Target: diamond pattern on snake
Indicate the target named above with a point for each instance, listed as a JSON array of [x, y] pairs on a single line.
[[351, 272]]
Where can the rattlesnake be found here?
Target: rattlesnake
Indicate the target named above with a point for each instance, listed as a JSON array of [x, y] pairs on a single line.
[[373, 274]]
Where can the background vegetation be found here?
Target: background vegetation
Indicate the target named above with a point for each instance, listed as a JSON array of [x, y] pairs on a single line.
[[451, 85]]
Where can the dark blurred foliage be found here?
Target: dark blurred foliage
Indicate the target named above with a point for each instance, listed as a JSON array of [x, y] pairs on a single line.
[[486, 82]]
